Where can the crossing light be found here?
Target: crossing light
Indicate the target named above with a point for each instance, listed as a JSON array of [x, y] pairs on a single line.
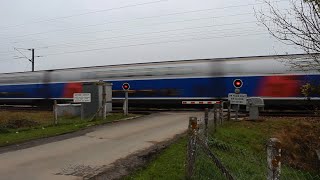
[[237, 83], [126, 86]]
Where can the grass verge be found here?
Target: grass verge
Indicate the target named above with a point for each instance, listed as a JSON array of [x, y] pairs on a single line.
[[14, 136], [241, 146], [167, 165]]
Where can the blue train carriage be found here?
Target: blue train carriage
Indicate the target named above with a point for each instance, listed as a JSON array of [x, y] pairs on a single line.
[[167, 82]]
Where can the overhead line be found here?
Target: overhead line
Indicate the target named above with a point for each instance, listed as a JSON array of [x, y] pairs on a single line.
[[234, 6], [152, 43], [99, 41], [213, 17], [170, 14], [82, 14], [218, 25], [196, 19]]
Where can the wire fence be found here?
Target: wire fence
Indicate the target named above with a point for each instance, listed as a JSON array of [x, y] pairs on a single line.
[[212, 158]]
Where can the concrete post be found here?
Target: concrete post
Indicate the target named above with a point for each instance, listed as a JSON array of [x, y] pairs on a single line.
[[273, 159], [253, 113], [55, 113], [191, 154]]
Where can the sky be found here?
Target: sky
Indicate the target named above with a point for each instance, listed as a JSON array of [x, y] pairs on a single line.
[[80, 33]]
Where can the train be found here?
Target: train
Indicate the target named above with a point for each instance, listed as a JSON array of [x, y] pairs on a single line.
[[169, 83]]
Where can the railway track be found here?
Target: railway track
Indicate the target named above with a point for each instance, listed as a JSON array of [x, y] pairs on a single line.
[[24, 108], [289, 114], [268, 113]]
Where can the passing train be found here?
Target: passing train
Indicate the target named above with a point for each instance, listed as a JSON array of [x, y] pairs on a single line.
[[168, 83]]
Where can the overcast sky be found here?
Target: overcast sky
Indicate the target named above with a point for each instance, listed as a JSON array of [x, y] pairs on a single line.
[[77, 33]]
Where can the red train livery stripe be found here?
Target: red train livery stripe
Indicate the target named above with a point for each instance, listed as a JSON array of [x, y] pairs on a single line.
[[71, 88], [279, 86]]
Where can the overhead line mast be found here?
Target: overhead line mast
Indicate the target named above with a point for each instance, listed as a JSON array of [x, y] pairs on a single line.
[[25, 57], [32, 59]]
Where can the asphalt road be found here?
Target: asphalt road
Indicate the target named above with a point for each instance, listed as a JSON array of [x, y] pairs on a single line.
[[85, 155]]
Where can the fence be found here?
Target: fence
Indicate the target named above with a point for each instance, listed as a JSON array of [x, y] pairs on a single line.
[[209, 157]]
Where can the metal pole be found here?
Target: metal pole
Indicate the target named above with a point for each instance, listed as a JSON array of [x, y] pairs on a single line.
[[104, 103], [126, 104], [32, 59], [82, 112], [237, 111]]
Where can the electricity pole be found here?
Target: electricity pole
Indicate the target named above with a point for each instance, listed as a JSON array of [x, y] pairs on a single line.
[[25, 57], [32, 59]]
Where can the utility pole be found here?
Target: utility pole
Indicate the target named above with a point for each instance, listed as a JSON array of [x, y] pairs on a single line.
[[25, 57], [32, 59]]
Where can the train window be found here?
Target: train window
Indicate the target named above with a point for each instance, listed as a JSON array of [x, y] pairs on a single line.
[[130, 72], [157, 71], [148, 72], [88, 75], [19, 79]]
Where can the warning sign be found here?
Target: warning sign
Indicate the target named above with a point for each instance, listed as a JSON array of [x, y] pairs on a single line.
[[237, 98], [81, 97]]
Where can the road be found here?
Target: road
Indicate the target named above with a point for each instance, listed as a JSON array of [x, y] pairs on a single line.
[[78, 157]]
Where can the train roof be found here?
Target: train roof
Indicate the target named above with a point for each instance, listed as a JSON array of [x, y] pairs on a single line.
[[175, 61]]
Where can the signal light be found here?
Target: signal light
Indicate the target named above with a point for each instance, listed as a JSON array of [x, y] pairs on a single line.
[[237, 83], [125, 86]]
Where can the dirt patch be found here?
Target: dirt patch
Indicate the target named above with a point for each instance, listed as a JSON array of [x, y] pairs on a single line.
[[20, 123], [133, 162], [300, 141]]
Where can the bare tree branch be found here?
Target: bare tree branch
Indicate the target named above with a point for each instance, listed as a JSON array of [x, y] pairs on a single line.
[[298, 26]]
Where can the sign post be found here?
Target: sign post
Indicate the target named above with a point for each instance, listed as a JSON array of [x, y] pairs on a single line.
[[126, 88], [82, 98], [237, 98]]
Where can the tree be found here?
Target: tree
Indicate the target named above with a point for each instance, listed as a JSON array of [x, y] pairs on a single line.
[[317, 2], [298, 26]]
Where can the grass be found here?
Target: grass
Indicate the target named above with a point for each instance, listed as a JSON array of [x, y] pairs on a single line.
[[241, 146], [41, 117], [44, 128], [168, 165]]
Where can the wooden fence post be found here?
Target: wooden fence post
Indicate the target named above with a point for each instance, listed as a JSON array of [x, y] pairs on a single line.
[[273, 159], [221, 113], [206, 119], [191, 154], [229, 111], [215, 118]]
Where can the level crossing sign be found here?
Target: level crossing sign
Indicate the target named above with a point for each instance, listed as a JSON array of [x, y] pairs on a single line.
[[237, 98]]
